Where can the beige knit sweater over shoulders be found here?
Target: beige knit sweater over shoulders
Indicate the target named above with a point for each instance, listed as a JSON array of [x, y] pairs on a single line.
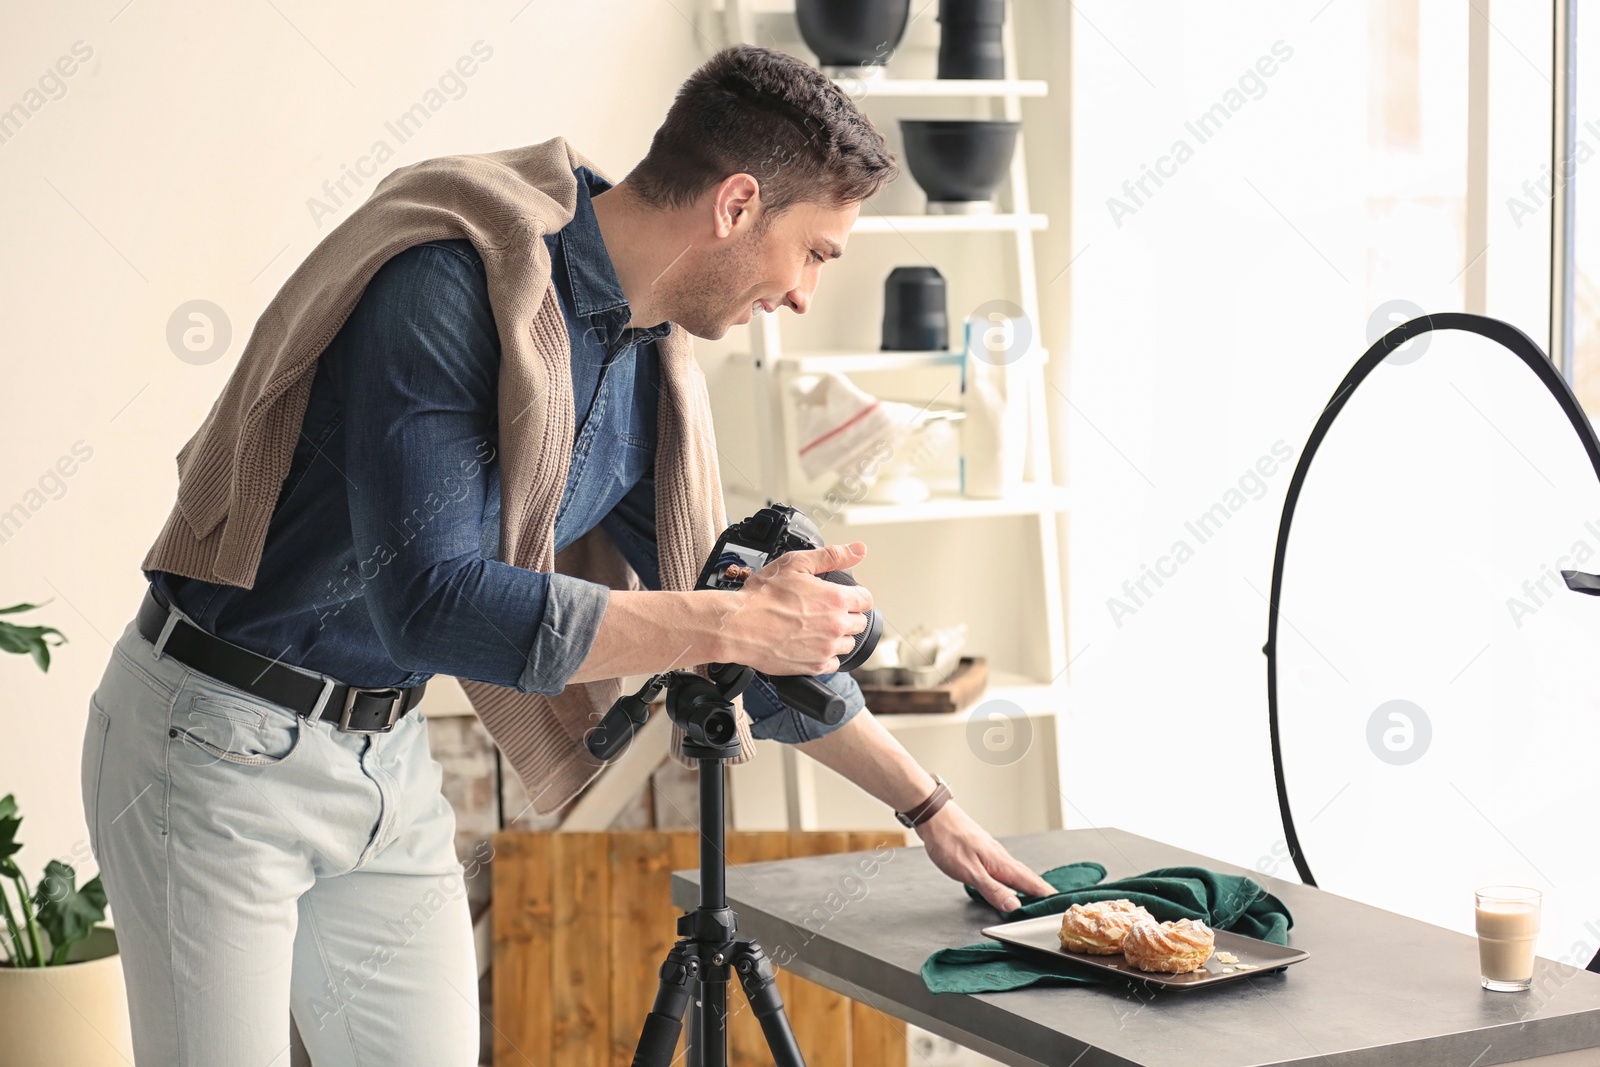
[[505, 203]]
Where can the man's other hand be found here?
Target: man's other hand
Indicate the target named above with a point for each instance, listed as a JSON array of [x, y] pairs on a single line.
[[964, 850]]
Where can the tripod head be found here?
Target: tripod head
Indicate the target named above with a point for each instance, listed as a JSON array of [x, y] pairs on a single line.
[[703, 706]]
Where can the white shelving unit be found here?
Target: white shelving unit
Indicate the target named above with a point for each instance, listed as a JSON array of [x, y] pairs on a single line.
[[1022, 222], [957, 87], [1040, 500], [1030, 499]]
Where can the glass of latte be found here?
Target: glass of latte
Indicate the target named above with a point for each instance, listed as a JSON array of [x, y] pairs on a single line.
[[1508, 925]]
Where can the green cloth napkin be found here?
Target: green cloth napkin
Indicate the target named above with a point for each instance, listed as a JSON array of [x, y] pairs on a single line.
[[1223, 901]]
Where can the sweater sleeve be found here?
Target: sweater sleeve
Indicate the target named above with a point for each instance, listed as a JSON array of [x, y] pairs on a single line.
[[417, 382]]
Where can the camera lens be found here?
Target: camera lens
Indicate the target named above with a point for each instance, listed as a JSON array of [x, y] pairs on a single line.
[[867, 639]]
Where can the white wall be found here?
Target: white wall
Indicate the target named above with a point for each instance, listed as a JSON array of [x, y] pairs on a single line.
[[177, 165], [1213, 322]]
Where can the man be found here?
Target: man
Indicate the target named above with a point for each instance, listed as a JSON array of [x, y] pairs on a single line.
[[484, 366]]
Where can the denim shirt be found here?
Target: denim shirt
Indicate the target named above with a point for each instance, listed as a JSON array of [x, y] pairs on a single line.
[[379, 567]]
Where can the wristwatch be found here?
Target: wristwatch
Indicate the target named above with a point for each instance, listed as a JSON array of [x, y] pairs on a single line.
[[928, 808]]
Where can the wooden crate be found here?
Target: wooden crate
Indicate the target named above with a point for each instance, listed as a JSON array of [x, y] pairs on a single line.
[[582, 921]]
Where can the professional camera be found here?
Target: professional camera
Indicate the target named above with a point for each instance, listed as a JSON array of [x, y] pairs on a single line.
[[744, 548]]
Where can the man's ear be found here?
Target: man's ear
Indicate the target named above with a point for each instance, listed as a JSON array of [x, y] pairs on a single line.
[[735, 204]]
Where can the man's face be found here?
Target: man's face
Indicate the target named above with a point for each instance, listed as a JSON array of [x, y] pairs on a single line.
[[724, 279]]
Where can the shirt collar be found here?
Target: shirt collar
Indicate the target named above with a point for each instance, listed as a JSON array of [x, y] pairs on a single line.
[[593, 278], [590, 272]]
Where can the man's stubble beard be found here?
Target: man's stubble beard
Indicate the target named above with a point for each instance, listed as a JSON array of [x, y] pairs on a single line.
[[706, 300]]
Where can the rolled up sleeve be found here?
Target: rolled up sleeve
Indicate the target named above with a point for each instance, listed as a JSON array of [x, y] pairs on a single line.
[[572, 611]]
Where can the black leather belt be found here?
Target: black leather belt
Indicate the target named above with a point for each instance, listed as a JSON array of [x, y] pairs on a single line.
[[352, 709]]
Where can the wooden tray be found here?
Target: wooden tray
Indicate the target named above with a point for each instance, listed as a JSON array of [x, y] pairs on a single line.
[[959, 691]]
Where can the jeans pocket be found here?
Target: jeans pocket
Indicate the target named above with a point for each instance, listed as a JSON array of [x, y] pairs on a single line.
[[235, 731], [93, 761]]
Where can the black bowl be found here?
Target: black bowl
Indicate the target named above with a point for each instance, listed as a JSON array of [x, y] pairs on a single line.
[[958, 159], [848, 33]]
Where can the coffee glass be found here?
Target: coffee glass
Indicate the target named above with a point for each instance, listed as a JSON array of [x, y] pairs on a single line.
[[1508, 925]]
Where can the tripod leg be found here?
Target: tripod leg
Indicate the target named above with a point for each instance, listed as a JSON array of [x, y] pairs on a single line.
[[659, 1039], [697, 1038], [759, 978], [713, 1047]]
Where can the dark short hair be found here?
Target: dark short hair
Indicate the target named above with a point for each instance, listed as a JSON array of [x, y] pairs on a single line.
[[771, 115]]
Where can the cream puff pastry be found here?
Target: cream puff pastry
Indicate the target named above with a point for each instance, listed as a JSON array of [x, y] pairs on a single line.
[[1171, 948], [1097, 928]]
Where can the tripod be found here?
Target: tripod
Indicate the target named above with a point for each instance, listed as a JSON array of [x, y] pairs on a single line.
[[709, 948]]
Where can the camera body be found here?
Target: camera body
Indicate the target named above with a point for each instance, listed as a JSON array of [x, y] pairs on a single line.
[[703, 705], [744, 548], [755, 542]]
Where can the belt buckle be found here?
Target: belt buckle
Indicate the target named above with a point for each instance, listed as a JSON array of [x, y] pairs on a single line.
[[396, 699]]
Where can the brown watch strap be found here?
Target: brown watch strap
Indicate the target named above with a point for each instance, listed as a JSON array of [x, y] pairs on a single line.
[[928, 808]]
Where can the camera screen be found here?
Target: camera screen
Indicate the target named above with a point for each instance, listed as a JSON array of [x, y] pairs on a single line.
[[734, 564]]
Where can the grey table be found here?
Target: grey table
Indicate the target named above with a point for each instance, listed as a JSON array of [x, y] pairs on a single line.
[[1380, 990]]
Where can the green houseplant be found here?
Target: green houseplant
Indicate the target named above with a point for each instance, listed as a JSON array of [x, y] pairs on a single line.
[[64, 913], [62, 998], [46, 923]]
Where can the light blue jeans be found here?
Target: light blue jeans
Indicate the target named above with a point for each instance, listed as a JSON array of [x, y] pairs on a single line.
[[259, 864]]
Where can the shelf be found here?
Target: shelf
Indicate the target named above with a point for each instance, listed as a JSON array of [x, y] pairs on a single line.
[[858, 88], [949, 223], [1030, 500], [846, 362], [864, 362], [1036, 699], [861, 362]]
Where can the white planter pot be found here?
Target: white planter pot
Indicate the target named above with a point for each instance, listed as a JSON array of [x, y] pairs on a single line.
[[74, 1014]]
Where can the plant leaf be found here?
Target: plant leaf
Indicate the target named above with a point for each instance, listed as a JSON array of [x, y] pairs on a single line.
[[33, 640], [65, 913], [9, 822], [13, 609]]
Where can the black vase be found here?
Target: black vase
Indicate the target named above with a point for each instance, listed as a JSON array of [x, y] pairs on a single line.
[[969, 39], [914, 317], [849, 33]]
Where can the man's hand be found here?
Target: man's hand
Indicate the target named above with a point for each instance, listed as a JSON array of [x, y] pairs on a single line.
[[871, 757], [964, 850], [786, 620]]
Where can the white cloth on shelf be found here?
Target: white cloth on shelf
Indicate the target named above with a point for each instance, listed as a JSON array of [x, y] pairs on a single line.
[[838, 422]]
